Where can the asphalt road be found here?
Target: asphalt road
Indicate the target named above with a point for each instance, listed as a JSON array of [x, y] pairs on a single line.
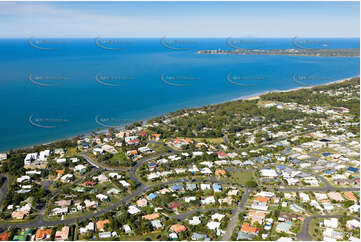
[[4, 189], [304, 234], [234, 220], [142, 188]]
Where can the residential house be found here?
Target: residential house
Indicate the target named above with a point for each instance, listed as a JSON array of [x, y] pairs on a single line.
[[43, 234], [350, 196], [19, 214], [194, 221], [151, 216], [246, 228], [174, 205], [133, 209], [284, 227], [101, 178], [62, 234], [208, 200], [217, 216], [353, 224], [113, 191], [156, 224], [142, 202], [256, 216], [212, 225], [331, 223], [63, 203], [80, 169], [101, 223], [87, 228], [335, 196], [127, 229], [178, 228]]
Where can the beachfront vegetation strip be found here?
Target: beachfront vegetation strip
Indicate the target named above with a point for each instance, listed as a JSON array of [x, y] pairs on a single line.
[[281, 165]]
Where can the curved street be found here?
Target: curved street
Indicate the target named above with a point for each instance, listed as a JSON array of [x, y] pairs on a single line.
[[304, 233], [39, 221]]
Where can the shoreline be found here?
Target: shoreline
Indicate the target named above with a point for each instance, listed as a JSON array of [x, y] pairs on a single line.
[[257, 96], [247, 97]]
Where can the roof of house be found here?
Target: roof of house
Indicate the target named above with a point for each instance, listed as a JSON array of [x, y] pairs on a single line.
[[174, 204], [178, 228], [63, 233], [335, 196], [256, 214], [349, 195], [4, 236], [20, 238], [285, 226], [152, 196], [42, 234], [220, 172], [177, 187], [151, 216], [261, 199], [242, 236], [100, 224], [353, 169], [89, 183], [248, 229]]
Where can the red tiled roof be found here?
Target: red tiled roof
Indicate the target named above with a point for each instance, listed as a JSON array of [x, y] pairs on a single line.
[[248, 229], [89, 183], [4, 236], [174, 204]]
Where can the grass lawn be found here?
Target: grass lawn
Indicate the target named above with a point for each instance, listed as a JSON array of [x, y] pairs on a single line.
[[72, 152], [240, 177], [159, 148]]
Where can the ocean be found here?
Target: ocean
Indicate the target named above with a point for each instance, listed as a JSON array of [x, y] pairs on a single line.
[[57, 88]]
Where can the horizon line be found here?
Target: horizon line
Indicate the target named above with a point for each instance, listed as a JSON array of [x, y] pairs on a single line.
[[205, 37]]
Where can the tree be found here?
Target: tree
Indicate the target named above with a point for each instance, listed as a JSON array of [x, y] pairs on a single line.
[[251, 184]]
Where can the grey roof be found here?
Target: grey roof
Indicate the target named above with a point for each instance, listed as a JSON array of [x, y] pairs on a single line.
[[242, 235]]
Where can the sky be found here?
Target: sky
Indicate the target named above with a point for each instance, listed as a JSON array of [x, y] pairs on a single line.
[[179, 19]]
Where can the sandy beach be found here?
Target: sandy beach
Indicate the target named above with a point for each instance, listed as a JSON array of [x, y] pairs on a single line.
[[257, 96]]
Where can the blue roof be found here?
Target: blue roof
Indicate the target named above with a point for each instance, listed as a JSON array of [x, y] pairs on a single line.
[[216, 187], [257, 159], [329, 171], [326, 154], [151, 196], [281, 167], [354, 169], [177, 187]]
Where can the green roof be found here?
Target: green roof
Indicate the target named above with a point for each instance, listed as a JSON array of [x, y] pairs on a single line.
[[27, 232], [19, 238]]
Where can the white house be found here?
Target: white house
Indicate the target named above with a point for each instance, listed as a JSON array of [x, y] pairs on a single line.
[[331, 223], [133, 209], [195, 220], [89, 227], [30, 158], [268, 173]]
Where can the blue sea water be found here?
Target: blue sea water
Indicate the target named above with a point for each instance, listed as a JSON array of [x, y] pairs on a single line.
[[57, 88]]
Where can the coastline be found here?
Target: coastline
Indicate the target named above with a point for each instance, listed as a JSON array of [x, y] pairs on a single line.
[[257, 96], [248, 97]]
